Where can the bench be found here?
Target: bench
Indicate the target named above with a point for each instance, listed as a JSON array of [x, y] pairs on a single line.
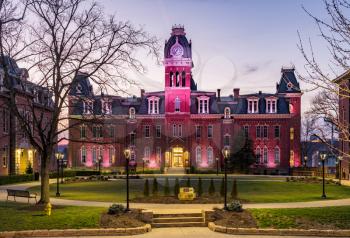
[[20, 193]]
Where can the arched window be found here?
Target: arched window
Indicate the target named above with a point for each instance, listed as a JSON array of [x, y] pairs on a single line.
[[94, 155], [132, 113], [83, 154], [177, 104], [111, 155], [277, 155], [198, 155], [147, 153], [265, 155], [177, 79], [258, 154], [210, 155], [183, 79], [227, 113], [171, 79]]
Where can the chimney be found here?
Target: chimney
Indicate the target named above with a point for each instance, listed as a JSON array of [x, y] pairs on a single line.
[[142, 91], [218, 95], [236, 92]]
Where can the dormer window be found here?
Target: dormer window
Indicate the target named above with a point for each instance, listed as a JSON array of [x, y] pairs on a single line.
[[253, 105], [177, 104], [131, 113], [153, 105], [227, 113], [88, 107], [106, 107], [203, 104], [271, 105]]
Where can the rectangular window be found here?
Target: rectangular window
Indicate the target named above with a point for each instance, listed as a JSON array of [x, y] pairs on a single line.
[[265, 155], [94, 132], [253, 106], [179, 130], [257, 155], [83, 132], [5, 120], [158, 131], [94, 155], [246, 131], [227, 140], [258, 130], [210, 131], [83, 154], [111, 132], [198, 131], [277, 131], [132, 138], [158, 154], [111, 155], [265, 132], [5, 152], [271, 106], [174, 130], [147, 131]]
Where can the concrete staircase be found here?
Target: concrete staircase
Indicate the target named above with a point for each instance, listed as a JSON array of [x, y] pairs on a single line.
[[175, 170], [178, 220]]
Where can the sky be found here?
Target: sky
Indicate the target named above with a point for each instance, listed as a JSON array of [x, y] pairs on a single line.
[[236, 43]]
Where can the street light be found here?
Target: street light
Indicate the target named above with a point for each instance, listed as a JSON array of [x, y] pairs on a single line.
[[340, 158], [59, 156], [143, 165], [226, 154], [127, 154], [217, 166], [323, 158], [305, 161]]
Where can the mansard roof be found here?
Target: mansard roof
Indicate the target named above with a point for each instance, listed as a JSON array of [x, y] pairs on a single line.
[[288, 82], [178, 33]]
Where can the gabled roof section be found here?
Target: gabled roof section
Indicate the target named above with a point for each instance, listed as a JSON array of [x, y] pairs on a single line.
[[288, 82]]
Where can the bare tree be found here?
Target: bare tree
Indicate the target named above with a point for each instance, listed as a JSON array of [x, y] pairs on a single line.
[[68, 37], [308, 129]]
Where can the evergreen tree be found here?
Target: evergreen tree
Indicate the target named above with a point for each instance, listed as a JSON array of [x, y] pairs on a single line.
[[176, 187], [146, 189], [234, 192], [222, 187], [211, 188], [188, 183], [166, 187], [155, 187], [200, 189], [29, 169], [243, 156]]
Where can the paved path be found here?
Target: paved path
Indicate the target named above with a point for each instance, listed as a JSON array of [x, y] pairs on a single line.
[[192, 232], [174, 208]]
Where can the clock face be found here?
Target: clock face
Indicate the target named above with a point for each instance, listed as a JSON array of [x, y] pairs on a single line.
[[177, 50]]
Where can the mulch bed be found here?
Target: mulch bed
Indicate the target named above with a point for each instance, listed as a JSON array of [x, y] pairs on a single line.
[[175, 200], [234, 219], [124, 220]]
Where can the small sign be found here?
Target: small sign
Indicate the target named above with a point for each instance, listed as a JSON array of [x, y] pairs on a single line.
[[186, 193]]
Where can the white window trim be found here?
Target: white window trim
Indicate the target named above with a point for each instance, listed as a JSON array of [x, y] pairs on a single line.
[[132, 113], [279, 155], [147, 153], [83, 149], [210, 151], [227, 113], [251, 105], [198, 154], [265, 158], [88, 107], [111, 155], [149, 131], [269, 102], [177, 104], [202, 109], [160, 131], [106, 105], [153, 105]]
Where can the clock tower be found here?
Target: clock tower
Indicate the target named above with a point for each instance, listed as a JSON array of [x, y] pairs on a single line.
[[178, 79]]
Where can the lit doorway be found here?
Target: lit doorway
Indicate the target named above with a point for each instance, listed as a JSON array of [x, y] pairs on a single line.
[[177, 157]]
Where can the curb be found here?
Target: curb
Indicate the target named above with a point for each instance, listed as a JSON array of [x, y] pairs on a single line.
[[78, 232], [279, 232]]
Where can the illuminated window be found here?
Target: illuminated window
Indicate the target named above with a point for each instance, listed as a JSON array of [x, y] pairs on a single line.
[[111, 155], [291, 133], [159, 154]]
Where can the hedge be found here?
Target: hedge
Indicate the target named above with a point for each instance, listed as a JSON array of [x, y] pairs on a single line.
[[16, 178], [73, 173]]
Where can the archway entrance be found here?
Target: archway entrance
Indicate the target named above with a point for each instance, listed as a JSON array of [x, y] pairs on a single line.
[[177, 157]]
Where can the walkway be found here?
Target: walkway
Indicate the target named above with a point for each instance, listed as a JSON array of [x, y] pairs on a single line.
[[174, 208]]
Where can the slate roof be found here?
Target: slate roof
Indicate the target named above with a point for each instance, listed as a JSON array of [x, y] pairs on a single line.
[[288, 82]]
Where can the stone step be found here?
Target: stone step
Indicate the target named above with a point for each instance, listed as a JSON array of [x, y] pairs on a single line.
[[177, 219], [179, 224], [158, 215], [175, 170]]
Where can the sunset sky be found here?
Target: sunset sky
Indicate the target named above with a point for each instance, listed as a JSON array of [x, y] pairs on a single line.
[[236, 43]]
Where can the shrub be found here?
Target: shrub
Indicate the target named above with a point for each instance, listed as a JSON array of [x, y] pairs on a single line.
[[29, 169], [155, 187], [66, 174], [211, 190], [287, 179], [176, 187], [16, 178], [146, 189], [234, 192], [222, 187], [166, 187], [188, 183], [116, 209], [235, 206], [200, 189]]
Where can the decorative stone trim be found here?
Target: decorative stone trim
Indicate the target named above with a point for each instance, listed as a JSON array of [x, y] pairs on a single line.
[[77, 232], [279, 232]]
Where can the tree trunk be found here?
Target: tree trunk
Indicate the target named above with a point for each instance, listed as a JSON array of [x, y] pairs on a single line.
[[45, 186]]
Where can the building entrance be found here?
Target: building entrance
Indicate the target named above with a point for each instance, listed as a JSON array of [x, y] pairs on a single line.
[[177, 157]]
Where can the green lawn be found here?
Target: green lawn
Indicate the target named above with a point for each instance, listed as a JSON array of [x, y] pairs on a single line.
[[327, 217], [248, 190], [17, 216]]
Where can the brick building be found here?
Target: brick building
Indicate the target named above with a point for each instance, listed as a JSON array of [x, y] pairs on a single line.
[[16, 152], [182, 126]]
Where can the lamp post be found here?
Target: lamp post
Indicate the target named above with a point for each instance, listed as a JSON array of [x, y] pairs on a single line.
[[99, 164], [127, 153], [62, 167], [305, 161], [226, 154], [340, 158], [143, 165], [323, 158], [217, 166], [58, 158]]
